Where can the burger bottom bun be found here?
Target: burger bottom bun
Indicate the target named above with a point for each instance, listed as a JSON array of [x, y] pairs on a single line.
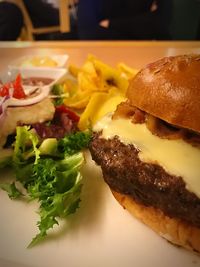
[[174, 230]]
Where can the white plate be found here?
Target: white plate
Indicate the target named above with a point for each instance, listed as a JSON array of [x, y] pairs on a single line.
[[27, 61], [100, 234]]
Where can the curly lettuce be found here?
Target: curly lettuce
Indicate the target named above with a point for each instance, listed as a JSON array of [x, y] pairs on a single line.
[[50, 173]]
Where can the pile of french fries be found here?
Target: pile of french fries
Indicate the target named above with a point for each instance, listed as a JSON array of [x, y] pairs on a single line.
[[94, 84]]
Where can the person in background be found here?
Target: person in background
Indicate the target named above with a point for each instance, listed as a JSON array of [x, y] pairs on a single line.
[[11, 21], [124, 19]]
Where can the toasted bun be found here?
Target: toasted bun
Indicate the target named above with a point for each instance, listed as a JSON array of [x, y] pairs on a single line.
[[174, 230], [170, 90]]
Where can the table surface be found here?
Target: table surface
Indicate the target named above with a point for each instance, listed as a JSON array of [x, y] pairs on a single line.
[[135, 54]]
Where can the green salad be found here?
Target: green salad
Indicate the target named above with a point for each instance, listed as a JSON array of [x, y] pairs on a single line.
[[48, 171]]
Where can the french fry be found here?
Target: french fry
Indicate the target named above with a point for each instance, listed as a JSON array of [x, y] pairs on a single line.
[[70, 86], [73, 70], [86, 83], [78, 100], [88, 67], [127, 71], [99, 105], [88, 116], [110, 75]]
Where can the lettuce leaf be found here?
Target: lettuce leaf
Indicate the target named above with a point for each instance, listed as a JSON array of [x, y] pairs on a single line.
[[11, 189], [25, 145], [50, 173], [70, 144]]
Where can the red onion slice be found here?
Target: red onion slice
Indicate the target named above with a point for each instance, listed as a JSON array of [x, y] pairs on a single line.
[[3, 106], [30, 100]]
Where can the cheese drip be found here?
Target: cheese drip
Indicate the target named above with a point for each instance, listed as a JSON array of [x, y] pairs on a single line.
[[176, 156]]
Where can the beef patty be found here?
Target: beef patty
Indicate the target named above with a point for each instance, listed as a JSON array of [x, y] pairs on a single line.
[[148, 184]]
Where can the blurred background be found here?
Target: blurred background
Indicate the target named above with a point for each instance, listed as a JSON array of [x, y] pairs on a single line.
[[32, 20]]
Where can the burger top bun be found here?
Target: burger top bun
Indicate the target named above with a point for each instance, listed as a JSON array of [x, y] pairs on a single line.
[[170, 90]]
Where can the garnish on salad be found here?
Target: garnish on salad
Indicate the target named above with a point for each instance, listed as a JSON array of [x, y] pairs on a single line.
[[13, 89]]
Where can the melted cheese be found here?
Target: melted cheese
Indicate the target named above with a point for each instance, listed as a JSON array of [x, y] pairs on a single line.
[[175, 156]]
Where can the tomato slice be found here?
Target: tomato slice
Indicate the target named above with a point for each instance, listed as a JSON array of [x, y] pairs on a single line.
[[18, 91], [4, 90], [72, 115]]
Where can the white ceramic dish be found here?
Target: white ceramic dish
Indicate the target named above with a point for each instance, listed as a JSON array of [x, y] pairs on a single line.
[[51, 73], [100, 234], [40, 61], [40, 78]]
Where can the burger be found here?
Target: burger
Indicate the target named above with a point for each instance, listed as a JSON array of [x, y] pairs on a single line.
[[149, 149]]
